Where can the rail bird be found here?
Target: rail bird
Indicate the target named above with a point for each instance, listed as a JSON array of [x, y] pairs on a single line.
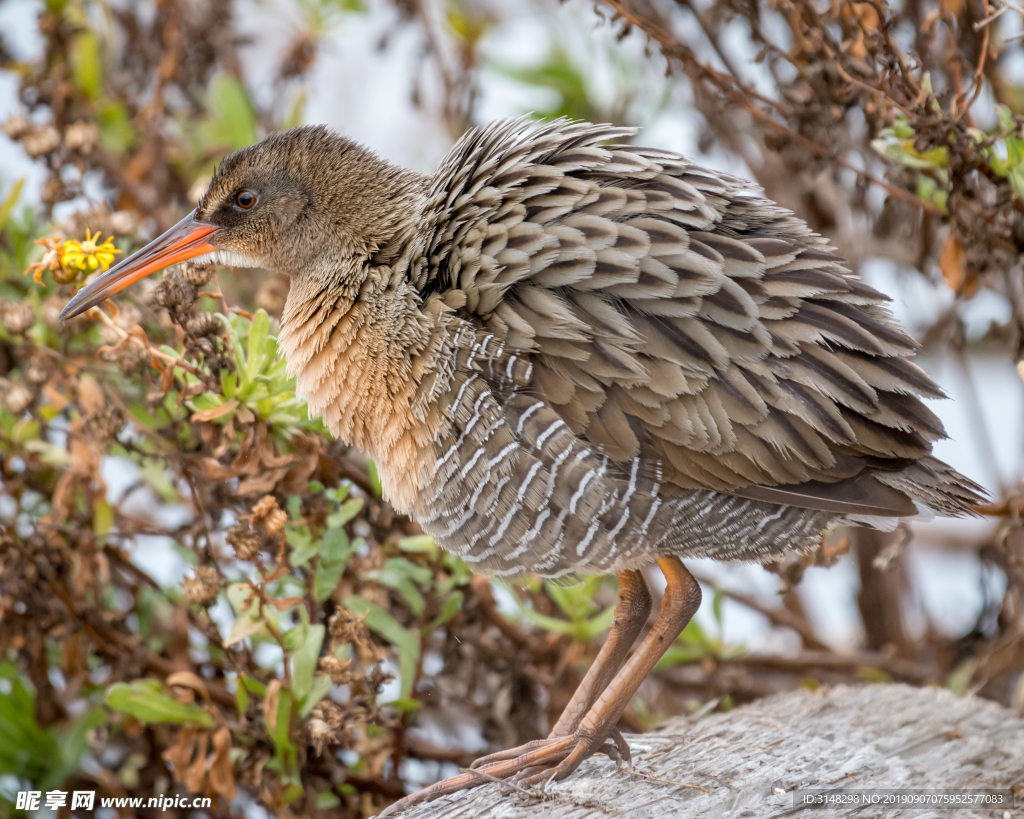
[[571, 355]]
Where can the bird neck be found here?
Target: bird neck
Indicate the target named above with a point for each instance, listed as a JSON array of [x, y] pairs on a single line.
[[361, 349]]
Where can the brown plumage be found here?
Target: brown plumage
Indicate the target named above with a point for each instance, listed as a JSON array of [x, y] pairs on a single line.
[[568, 354]]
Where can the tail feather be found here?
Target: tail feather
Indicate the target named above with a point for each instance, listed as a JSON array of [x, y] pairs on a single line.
[[936, 486]]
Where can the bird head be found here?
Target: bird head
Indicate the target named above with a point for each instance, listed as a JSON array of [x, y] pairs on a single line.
[[305, 202]]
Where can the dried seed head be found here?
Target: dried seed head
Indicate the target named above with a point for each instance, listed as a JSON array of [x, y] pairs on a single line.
[[326, 725], [321, 737], [131, 356], [17, 126], [122, 222], [205, 346], [330, 712], [203, 587], [17, 317], [37, 370], [54, 190], [264, 506], [51, 313], [175, 292], [103, 426], [18, 396], [245, 541], [378, 678], [275, 522], [82, 137], [129, 317], [346, 627], [197, 274], [204, 324], [340, 671], [65, 275], [41, 140]]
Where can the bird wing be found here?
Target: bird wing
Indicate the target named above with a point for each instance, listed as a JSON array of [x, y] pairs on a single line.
[[674, 315]]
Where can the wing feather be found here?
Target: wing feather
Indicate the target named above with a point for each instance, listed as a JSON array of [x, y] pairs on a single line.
[[674, 314]]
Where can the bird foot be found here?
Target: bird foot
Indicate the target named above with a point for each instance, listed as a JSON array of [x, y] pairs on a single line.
[[615, 747], [537, 762]]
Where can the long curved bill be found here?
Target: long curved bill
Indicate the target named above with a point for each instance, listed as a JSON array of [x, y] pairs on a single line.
[[187, 239]]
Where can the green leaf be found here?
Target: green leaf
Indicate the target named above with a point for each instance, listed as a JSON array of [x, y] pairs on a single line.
[[406, 568], [86, 64], [73, 745], [578, 629], [285, 753], [232, 325], [26, 750], [327, 800], [717, 602], [459, 573], [405, 705], [102, 518], [1016, 177], [598, 624], [233, 122], [928, 190], [228, 383], [10, 201], [250, 619], [257, 350], [559, 74], [117, 136], [905, 154], [244, 626], [576, 601], [349, 509], [403, 585], [873, 675], [26, 431], [903, 129], [452, 606], [377, 619], [375, 484], [303, 547], [304, 662], [319, 689], [959, 682], [402, 575], [253, 686], [418, 544], [334, 554], [241, 698], [145, 700], [407, 641]]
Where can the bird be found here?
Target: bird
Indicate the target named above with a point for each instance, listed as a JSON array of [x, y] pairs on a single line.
[[572, 355]]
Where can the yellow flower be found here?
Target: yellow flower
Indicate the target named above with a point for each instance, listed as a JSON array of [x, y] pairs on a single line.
[[88, 256]]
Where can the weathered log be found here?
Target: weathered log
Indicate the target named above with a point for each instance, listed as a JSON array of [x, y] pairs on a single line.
[[749, 761]]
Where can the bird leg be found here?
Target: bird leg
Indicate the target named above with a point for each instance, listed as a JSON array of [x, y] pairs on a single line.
[[557, 757], [631, 613]]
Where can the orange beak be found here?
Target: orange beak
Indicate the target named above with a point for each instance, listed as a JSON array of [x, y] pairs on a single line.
[[185, 240]]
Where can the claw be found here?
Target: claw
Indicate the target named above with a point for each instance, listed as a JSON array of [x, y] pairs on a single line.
[[617, 749], [510, 753], [435, 791]]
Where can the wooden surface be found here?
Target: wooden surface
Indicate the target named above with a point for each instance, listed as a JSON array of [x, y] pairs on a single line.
[[751, 759]]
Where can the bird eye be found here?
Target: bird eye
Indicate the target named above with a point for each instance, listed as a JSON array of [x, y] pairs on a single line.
[[245, 199]]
